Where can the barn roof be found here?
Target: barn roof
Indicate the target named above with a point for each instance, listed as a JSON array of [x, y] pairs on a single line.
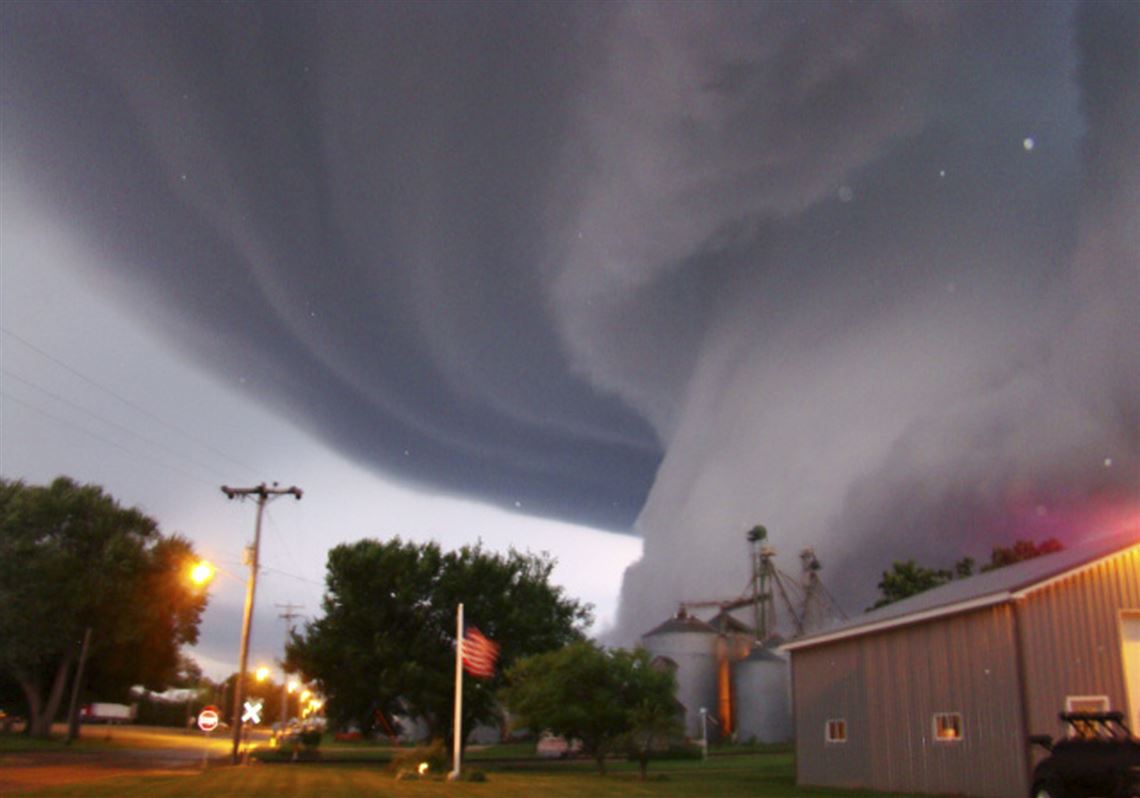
[[724, 622], [681, 623], [764, 654], [983, 590]]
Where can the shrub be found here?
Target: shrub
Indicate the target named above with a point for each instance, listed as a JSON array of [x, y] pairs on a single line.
[[406, 762], [674, 751]]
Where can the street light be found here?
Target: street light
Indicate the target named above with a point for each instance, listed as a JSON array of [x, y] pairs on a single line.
[[202, 573], [261, 674], [288, 687]]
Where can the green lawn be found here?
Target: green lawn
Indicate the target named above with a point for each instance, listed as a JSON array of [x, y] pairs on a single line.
[[10, 743], [764, 775]]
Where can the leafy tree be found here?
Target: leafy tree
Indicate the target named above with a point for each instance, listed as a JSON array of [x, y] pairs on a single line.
[[908, 578], [1021, 550], [654, 713], [188, 674], [268, 692], [964, 567], [605, 699], [386, 641], [71, 558]]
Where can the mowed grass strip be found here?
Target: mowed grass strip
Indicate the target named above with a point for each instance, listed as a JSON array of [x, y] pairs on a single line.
[[765, 775]]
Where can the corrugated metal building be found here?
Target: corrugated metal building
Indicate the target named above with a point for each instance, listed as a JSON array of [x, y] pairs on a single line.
[[939, 693]]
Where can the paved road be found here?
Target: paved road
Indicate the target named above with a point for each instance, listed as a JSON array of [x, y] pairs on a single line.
[[136, 750]]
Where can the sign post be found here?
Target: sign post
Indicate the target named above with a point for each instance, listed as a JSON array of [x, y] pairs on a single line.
[[207, 722], [208, 719]]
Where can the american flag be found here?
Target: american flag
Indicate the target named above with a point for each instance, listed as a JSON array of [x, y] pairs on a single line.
[[479, 653]]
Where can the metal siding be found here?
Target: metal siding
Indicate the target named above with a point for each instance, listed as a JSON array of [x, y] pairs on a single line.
[[696, 672], [888, 687], [1073, 638], [827, 683], [762, 707]]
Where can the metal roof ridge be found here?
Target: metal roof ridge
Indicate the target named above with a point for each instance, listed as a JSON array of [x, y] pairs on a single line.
[[1032, 587], [1038, 578], [976, 603]]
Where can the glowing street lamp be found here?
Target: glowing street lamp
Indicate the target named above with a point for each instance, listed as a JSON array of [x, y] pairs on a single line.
[[202, 573], [261, 674]]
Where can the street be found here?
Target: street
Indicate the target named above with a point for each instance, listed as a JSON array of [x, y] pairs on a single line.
[[138, 750]]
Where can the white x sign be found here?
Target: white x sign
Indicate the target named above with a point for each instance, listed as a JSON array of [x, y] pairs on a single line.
[[252, 712]]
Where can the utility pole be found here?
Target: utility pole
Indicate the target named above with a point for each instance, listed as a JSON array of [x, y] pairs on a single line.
[[288, 617], [73, 706], [263, 494]]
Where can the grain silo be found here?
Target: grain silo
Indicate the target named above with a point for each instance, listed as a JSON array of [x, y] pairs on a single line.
[[687, 645], [732, 669], [763, 695]]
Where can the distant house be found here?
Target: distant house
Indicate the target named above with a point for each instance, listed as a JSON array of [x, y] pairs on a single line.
[[938, 693]]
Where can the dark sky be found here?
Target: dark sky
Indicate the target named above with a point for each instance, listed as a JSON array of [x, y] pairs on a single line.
[[864, 272], [346, 205]]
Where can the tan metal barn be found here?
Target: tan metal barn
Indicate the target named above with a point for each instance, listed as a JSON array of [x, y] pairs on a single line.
[[938, 693]]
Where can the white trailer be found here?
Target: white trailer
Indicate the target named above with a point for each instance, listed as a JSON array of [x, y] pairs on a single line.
[[101, 712]]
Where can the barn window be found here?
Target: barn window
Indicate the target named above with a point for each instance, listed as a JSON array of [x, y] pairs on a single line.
[[836, 730], [1085, 703], [947, 726]]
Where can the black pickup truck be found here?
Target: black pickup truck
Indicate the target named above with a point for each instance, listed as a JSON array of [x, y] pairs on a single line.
[[1098, 757]]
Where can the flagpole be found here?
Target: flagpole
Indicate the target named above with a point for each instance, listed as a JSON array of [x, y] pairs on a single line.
[[458, 693]]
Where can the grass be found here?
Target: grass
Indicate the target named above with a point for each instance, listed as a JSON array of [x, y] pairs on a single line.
[[18, 743], [766, 775]]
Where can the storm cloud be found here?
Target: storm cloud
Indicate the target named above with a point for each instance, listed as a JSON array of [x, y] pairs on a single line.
[[864, 273], [339, 208]]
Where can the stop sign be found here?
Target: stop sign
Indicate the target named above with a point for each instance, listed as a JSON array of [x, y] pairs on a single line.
[[208, 719]]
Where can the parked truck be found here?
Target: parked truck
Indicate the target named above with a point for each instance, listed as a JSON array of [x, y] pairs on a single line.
[[101, 712]]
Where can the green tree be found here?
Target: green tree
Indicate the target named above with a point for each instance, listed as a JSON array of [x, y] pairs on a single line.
[[1020, 551], [267, 691], [386, 641], [906, 579], [605, 699], [71, 558], [652, 708], [964, 567]]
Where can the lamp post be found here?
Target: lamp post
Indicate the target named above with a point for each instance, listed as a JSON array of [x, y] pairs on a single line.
[[704, 733], [287, 687]]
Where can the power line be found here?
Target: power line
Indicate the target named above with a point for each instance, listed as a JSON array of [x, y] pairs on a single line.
[[94, 383], [117, 425], [278, 537], [270, 569], [107, 441]]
